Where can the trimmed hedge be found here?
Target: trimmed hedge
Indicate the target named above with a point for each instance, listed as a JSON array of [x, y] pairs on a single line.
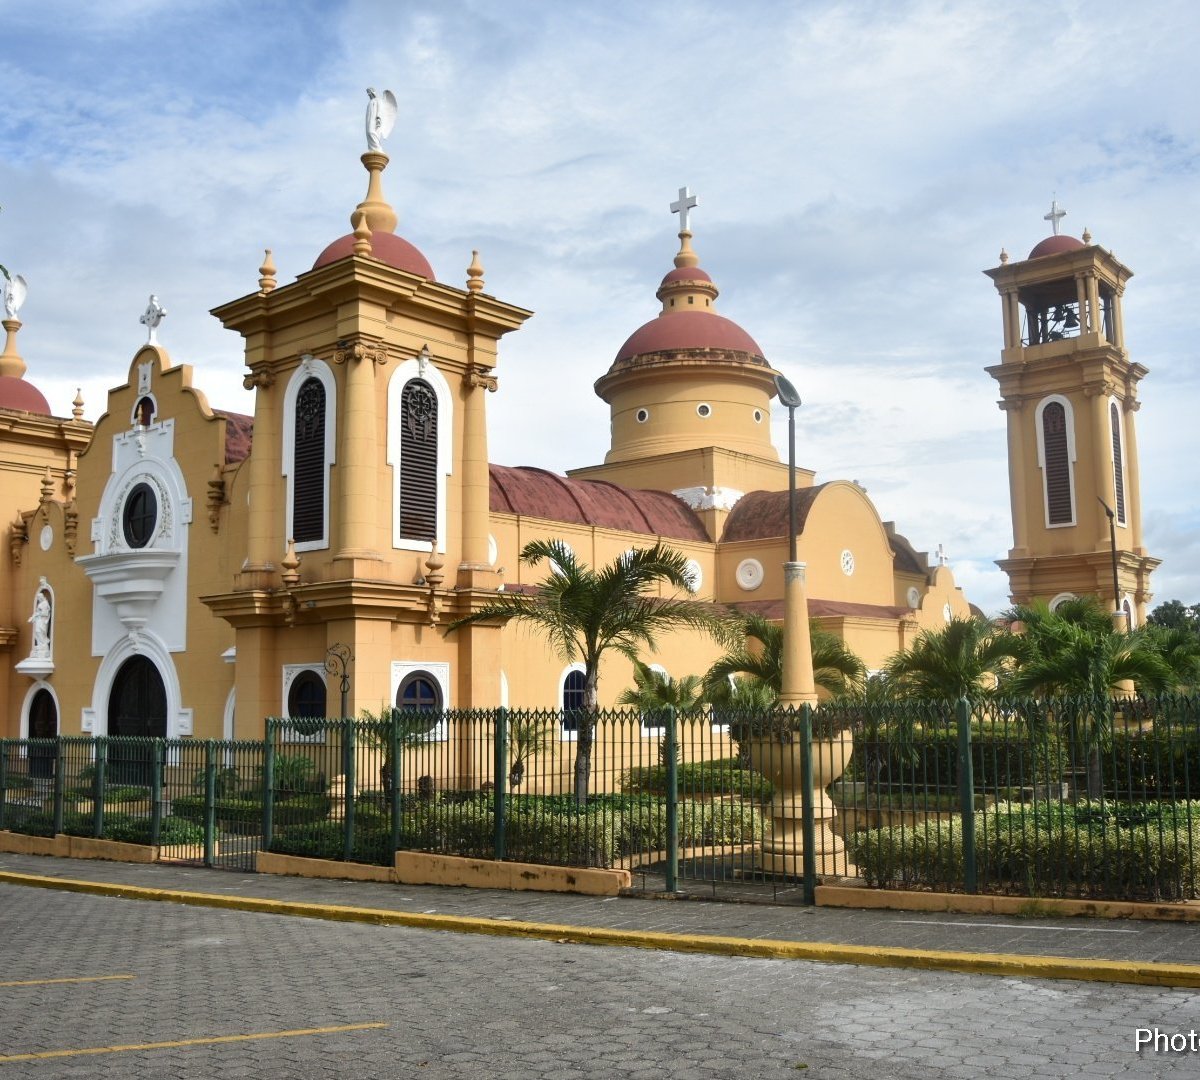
[[723, 776], [244, 815], [130, 830], [546, 830], [1159, 764], [1125, 851]]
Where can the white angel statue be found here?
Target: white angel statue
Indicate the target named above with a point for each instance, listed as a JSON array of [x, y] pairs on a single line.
[[381, 117], [15, 291]]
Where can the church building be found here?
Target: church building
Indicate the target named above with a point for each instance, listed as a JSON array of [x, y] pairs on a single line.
[[176, 570]]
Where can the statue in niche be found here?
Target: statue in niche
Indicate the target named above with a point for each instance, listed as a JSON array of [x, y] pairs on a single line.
[[40, 619], [381, 116]]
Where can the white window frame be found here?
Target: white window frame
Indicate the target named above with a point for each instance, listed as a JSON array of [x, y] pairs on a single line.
[[439, 672], [310, 368], [1069, 412], [290, 673], [564, 733], [1121, 508], [401, 377]]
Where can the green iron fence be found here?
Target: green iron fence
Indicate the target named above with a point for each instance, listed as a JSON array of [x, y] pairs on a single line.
[[1072, 797]]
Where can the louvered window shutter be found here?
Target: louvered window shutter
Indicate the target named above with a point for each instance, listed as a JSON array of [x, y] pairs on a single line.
[[418, 461], [308, 473], [1114, 417], [1059, 510]]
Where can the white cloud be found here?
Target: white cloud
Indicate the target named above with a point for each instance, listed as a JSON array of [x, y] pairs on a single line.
[[858, 165]]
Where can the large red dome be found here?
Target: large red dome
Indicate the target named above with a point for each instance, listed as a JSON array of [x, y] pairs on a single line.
[[676, 330], [1056, 245], [21, 396], [385, 246]]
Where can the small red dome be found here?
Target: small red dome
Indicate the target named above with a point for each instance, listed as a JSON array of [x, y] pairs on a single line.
[[685, 273], [385, 246], [688, 330], [1056, 245], [21, 396]]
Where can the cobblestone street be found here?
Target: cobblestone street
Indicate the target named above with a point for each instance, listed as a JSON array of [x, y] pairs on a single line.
[[276, 990]]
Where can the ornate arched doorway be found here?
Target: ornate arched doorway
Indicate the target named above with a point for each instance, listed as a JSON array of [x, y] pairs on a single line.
[[137, 707], [43, 724]]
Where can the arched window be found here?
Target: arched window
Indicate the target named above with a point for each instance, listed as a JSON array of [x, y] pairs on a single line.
[[1114, 419], [43, 724], [572, 700], [308, 476], [420, 451], [137, 707], [309, 422], [418, 461], [139, 516], [144, 413], [306, 696], [419, 691], [1056, 455]]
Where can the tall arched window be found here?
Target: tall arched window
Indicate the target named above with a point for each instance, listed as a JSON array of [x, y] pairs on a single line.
[[1056, 454], [573, 686], [420, 433], [308, 477], [309, 423], [1114, 419], [418, 461]]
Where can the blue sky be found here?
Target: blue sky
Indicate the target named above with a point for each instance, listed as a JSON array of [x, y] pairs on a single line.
[[858, 165]]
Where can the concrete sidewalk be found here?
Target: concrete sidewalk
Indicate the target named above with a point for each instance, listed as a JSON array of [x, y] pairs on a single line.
[[1160, 953]]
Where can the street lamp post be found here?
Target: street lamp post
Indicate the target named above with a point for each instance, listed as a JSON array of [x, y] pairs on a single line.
[[1118, 611]]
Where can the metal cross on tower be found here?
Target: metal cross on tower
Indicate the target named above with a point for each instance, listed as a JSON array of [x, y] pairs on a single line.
[[681, 207], [1057, 213]]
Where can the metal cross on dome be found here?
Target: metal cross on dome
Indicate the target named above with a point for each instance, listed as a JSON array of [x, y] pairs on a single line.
[[685, 202], [1057, 213]]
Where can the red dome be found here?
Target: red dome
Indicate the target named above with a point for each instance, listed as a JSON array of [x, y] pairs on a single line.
[[21, 396], [1056, 245], [385, 246], [685, 273], [688, 330]]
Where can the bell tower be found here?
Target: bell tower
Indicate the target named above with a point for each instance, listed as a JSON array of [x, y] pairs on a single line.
[[1069, 391]]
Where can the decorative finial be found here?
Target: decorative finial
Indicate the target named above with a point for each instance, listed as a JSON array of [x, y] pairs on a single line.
[[362, 233], [682, 205], [47, 485], [77, 404], [942, 558], [475, 274], [151, 317], [1057, 213], [290, 566], [1003, 257], [266, 274], [381, 117], [15, 291], [1087, 235]]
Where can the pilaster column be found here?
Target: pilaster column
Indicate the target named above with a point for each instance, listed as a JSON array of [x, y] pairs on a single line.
[[357, 458], [263, 543], [1133, 482], [476, 489], [1086, 321], [1017, 477], [1101, 449], [1093, 296]]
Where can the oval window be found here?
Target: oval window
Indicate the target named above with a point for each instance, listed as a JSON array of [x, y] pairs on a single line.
[[140, 516]]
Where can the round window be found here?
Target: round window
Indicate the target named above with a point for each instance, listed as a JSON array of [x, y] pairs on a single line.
[[419, 691], [306, 696], [140, 516], [704, 409], [643, 415], [758, 416]]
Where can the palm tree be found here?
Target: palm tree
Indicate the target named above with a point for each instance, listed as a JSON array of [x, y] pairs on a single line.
[[1077, 652], [587, 612], [965, 658], [760, 659], [654, 691]]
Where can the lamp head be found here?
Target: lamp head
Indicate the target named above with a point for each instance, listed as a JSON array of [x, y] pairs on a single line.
[[788, 394]]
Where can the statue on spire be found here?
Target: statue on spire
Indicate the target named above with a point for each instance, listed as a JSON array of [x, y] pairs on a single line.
[[15, 291], [381, 117]]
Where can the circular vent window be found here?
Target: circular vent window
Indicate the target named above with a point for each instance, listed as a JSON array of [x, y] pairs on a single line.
[[139, 516]]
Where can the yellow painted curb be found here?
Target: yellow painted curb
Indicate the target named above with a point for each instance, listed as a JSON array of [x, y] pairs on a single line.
[[985, 904], [1041, 967]]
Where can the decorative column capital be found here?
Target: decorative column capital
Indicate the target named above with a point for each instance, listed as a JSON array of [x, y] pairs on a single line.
[[260, 378], [372, 351], [481, 376]]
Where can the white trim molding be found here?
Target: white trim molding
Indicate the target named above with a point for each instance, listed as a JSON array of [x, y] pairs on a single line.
[[147, 644], [1069, 412], [310, 368], [404, 374]]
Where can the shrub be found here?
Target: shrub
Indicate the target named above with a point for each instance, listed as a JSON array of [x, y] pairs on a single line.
[[326, 840], [724, 776], [1126, 851]]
